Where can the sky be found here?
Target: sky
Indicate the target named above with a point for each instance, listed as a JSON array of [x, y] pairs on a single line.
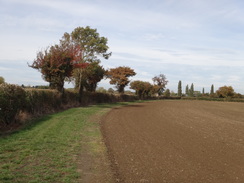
[[195, 41]]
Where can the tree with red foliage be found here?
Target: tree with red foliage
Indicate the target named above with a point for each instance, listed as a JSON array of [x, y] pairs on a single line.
[[56, 63], [120, 77]]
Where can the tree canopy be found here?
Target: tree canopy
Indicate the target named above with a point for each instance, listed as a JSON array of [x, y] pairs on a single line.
[[120, 77], [2, 80], [92, 47], [56, 63], [160, 81], [142, 88], [225, 91]]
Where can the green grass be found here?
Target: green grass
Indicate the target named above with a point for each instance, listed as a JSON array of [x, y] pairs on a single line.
[[48, 150]]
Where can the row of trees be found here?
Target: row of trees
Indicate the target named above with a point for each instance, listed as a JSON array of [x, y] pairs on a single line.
[[145, 89], [77, 58], [222, 92]]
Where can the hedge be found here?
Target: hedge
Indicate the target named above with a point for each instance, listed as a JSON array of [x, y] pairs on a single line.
[[14, 100]]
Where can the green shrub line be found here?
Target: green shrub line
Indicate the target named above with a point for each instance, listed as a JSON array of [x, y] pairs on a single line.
[[228, 99], [18, 104]]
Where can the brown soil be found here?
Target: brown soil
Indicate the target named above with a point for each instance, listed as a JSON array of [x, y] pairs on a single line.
[[177, 142]]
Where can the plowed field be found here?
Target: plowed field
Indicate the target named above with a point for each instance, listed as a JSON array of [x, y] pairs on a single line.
[[176, 142]]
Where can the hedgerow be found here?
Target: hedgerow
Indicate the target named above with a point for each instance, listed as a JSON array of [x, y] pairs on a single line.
[[14, 101]]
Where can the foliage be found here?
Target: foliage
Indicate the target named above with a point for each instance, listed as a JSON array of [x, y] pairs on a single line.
[[2, 80], [212, 90], [167, 93], [187, 90], [237, 95], [160, 81], [12, 100], [111, 91], [179, 89], [90, 76], [143, 89], [91, 46], [203, 91], [101, 90], [120, 77], [191, 91], [225, 91], [56, 63]]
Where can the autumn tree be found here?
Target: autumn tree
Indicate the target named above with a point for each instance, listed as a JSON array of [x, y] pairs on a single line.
[[2, 80], [160, 81], [56, 63], [92, 47], [142, 88], [179, 89], [225, 91], [120, 77]]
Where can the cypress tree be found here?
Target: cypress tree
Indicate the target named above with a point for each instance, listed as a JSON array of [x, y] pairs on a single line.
[[187, 90], [203, 92], [191, 92], [212, 90], [179, 89]]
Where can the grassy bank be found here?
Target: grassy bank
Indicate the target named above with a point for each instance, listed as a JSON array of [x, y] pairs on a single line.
[[50, 149]]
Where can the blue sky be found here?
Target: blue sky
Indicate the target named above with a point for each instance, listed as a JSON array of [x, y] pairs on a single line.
[[195, 41]]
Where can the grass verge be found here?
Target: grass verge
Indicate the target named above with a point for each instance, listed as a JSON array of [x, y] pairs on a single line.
[[50, 149]]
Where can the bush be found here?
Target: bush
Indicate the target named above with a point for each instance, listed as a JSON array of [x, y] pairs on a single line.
[[12, 101]]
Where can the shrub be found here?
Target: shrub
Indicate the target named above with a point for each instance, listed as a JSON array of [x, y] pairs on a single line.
[[12, 100]]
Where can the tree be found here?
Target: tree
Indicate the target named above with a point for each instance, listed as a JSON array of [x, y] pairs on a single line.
[[212, 89], [179, 89], [56, 63], [120, 77], [203, 92], [225, 91], [160, 81], [111, 90], [191, 91], [143, 89], [167, 93], [2, 80], [91, 45], [187, 90], [101, 90], [91, 75]]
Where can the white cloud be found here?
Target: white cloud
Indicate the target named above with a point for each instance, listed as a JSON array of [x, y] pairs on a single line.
[[188, 40]]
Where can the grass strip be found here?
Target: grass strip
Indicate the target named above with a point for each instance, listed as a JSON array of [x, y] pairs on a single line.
[[48, 150]]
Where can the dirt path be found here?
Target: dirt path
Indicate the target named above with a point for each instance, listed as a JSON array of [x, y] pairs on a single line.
[[177, 142]]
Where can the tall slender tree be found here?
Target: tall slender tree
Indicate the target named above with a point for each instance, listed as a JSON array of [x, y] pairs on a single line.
[[212, 89], [179, 89], [191, 91], [187, 90], [203, 92]]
